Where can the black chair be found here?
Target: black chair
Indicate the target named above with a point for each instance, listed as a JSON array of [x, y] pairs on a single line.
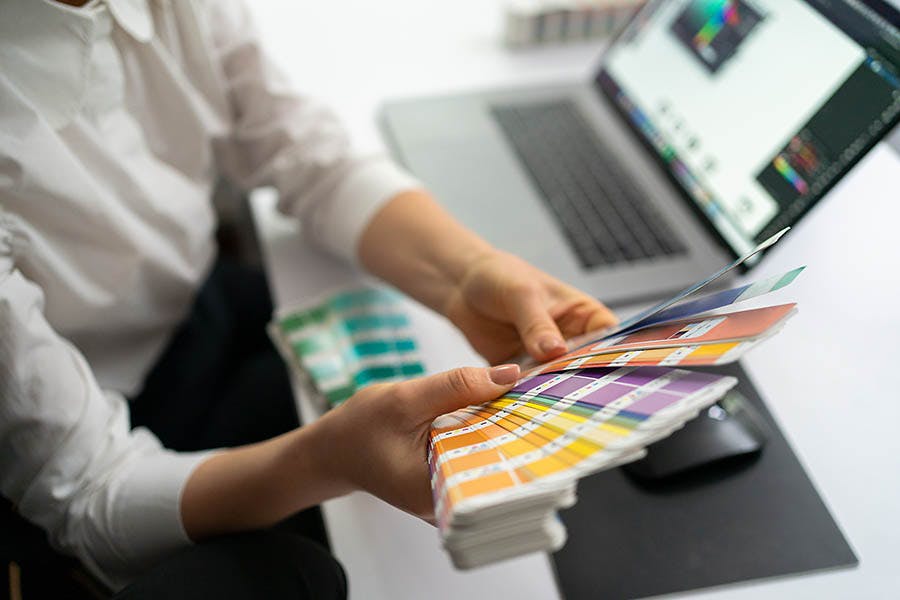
[[33, 570]]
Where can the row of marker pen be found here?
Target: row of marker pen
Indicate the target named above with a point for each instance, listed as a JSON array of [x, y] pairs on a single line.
[[538, 22]]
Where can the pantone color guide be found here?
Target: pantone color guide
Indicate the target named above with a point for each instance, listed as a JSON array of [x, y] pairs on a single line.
[[684, 356], [501, 470], [555, 428], [711, 340], [351, 339], [721, 299], [640, 319]]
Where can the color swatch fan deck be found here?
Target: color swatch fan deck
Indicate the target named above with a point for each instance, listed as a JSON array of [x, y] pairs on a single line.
[[500, 471]]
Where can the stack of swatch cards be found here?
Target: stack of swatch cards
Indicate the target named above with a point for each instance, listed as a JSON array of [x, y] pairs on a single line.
[[501, 470], [348, 340]]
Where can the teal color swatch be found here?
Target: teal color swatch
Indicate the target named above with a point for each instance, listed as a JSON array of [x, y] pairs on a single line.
[[350, 340]]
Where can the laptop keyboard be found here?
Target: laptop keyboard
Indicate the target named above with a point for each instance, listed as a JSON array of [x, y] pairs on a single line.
[[604, 215]]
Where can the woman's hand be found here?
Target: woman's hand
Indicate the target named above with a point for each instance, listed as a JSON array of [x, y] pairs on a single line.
[[378, 438], [376, 442], [503, 305]]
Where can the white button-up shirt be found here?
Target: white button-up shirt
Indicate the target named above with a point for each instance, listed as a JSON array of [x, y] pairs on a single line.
[[116, 119]]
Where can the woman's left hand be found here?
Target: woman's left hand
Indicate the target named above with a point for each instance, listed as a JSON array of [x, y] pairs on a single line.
[[504, 305]]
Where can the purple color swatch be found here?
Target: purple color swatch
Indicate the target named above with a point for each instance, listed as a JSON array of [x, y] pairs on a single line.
[[691, 383], [643, 375], [597, 372], [533, 383], [653, 403], [564, 388], [607, 394]]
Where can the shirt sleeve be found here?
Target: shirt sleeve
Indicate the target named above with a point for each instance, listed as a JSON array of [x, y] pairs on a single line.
[[290, 141], [68, 457]]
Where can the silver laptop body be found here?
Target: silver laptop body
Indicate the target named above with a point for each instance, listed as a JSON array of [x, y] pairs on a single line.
[[456, 146]]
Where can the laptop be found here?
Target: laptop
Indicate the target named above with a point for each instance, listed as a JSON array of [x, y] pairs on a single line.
[[708, 126]]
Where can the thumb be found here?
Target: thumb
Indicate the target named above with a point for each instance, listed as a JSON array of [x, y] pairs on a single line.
[[451, 390]]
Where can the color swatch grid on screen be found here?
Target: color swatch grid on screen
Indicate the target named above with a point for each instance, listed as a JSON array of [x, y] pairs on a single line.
[[722, 12], [713, 30], [787, 171]]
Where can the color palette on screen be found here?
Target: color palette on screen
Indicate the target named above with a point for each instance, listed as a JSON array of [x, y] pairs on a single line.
[[720, 13], [785, 169], [557, 427]]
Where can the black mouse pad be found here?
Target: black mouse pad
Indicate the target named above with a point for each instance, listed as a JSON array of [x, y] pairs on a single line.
[[758, 517]]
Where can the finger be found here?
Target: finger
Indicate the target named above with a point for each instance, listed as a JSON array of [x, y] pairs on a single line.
[[587, 315], [445, 392], [540, 335], [601, 317]]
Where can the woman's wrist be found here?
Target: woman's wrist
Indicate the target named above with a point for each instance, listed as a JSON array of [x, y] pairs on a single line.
[[315, 456], [258, 485], [414, 244]]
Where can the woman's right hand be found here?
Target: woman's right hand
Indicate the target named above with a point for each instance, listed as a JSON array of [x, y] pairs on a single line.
[[378, 438]]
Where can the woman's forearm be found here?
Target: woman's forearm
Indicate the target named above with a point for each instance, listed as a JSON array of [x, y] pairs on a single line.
[[258, 485], [416, 245]]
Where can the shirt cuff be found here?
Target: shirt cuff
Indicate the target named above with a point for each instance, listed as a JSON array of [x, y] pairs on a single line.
[[147, 525], [339, 222]]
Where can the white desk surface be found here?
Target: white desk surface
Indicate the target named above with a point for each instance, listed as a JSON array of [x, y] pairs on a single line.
[[824, 377]]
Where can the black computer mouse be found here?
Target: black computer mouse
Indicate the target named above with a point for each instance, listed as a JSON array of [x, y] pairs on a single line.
[[725, 431]]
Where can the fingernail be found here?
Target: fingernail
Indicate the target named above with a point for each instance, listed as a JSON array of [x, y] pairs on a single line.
[[504, 374], [551, 344]]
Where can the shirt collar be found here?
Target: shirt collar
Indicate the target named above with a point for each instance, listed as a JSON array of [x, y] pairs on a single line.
[[45, 48], [134, 17]]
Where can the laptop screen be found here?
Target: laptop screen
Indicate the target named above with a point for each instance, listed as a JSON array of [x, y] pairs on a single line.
[[756, 108]]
